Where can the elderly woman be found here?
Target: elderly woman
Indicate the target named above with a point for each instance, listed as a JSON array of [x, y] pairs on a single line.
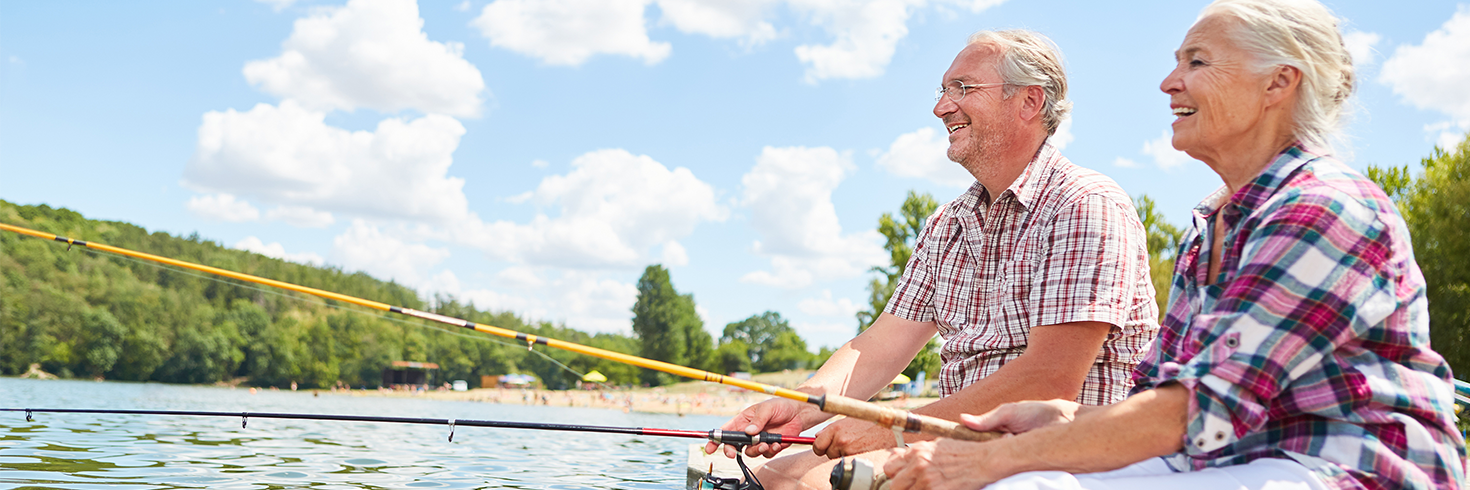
[[1295, 351]]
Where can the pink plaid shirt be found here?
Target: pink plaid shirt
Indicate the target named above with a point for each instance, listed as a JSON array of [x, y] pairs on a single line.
[[1062, 244]]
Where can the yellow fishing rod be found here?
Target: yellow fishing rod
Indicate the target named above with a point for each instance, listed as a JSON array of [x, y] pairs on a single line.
[[830, 403]]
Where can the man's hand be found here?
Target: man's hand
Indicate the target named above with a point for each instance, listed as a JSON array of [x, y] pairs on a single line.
[[943, 464], [847, 437], [1015, 418], [777, 415]]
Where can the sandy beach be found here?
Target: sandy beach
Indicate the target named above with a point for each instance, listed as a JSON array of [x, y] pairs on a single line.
[[693, 397]]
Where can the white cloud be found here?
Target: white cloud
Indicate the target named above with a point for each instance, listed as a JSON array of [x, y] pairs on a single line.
[[743, 19], [825, 334], [300, 216], [583, 300], [374, 54], [1434, 75], [277, 5], [922, 154], [288, 156], [518, 277], [276, 250], [222, 207], [1163, 152], [1360, 45], [463, 6], [568, 32], [1063, 136], [866, 34], [824, 305], [367, 248], [1450, 133], [1125, 163], [674, 255], [613, 207], [596, 304], [789, 194]]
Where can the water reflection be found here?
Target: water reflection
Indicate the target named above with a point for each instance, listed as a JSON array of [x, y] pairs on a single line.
[[143, 451]]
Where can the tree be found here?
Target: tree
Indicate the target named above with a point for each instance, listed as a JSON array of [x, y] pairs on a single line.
[[900, 235], [1436, 208], [770, 342], [667, 326], [758, 333], [1163, 243], [733, 356]]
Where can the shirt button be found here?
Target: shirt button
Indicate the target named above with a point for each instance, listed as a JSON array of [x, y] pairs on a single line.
[[1200, 442], [1231, 342], [1220, 436]]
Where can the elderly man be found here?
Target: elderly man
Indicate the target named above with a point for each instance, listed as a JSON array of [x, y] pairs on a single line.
[[1037, 276]]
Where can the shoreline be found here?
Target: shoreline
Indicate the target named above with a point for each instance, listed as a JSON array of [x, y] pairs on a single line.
[[645, 400], [687, 398]]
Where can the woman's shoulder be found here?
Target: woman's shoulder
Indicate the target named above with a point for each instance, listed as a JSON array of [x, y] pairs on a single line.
[[1334, 202], [1328, 183]]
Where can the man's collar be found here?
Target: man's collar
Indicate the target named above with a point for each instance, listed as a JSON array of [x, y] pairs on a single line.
[[1026, 185]]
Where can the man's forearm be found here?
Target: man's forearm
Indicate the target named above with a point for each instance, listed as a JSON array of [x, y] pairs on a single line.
[[870, 361], [1053, 366]]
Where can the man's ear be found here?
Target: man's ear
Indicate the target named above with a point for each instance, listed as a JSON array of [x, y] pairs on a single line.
[[1033, 100]]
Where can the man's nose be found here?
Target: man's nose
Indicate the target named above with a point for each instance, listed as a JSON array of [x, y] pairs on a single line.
[[944, 106]]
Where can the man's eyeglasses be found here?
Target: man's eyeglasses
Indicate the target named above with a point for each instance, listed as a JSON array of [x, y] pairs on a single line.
[[956, 90]]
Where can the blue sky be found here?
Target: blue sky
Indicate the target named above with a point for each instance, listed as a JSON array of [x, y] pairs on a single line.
[[535, 156]]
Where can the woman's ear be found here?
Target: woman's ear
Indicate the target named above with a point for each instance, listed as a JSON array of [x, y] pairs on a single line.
[[1283, 84]]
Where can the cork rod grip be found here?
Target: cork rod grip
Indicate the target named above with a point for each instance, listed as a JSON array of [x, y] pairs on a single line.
[[910, 422]]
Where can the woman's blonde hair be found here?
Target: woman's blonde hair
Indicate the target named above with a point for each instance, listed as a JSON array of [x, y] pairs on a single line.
[[1302, 34]]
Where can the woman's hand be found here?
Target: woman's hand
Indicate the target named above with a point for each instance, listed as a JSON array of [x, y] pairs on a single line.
[[1019, 417]]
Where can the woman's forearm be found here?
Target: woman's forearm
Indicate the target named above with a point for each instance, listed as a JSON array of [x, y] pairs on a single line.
[[1146, 425]]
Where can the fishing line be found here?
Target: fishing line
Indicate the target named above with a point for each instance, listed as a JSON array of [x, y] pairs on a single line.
[[291, 295]]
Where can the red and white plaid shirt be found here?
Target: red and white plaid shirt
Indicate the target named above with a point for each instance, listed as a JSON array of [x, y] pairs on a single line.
[[1062, 244]]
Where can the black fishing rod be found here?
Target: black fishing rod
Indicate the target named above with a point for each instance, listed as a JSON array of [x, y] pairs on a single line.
[[720, 436]]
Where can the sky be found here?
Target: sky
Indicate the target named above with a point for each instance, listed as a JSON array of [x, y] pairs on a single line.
[[535, 156]]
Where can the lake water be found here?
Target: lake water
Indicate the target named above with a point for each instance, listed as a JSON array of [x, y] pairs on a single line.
[[148, 451]]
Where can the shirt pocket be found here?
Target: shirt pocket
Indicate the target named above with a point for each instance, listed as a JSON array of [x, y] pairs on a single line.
[[1007, 307]]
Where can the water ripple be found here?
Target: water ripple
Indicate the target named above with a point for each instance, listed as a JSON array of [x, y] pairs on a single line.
[[84, 451]]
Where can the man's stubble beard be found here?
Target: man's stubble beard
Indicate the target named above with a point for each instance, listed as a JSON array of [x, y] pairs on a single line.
[[984, 149]]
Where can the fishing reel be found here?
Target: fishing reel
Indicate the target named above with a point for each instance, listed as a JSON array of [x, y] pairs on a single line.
[[712, 482], [857, 474]]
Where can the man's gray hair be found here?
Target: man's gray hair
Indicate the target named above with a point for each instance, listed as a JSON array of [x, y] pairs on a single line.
[[1028, 58], [1302, 34]]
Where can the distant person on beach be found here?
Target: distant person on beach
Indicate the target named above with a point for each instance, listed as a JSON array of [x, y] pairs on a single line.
[[1036, 277], [1295, 352]]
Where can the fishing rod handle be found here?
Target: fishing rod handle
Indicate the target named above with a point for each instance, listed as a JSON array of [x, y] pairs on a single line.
[[908, 421], [738, 438]]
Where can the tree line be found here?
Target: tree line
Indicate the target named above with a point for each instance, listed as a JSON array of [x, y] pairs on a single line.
[[85, 314]]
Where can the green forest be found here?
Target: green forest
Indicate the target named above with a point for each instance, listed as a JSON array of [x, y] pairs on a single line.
[[85, 314], [80, 313]]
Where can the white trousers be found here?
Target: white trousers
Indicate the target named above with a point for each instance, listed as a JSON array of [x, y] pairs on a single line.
[[1153, 473]]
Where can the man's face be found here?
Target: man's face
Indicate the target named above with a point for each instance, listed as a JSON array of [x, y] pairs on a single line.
[[978, 125]]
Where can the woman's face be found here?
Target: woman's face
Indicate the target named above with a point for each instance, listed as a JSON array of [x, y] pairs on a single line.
[[1214, 95]]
